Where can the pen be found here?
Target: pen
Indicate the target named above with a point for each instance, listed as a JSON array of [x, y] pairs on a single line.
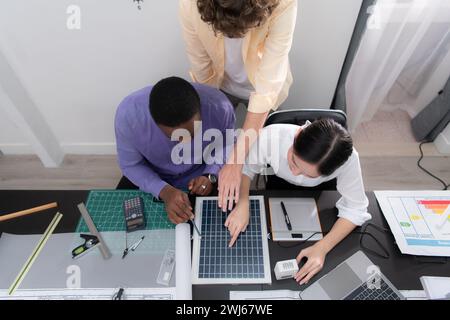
[[133, 247], [286, 217], [191, 220], [195, 227]]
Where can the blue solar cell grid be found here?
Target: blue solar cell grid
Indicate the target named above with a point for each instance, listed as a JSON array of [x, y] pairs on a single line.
[[244, 260]]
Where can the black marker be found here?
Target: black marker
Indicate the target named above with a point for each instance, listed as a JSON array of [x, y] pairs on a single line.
[[286, 217]]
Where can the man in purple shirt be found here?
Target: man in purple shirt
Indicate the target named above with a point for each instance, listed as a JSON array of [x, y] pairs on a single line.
[[160, 144]]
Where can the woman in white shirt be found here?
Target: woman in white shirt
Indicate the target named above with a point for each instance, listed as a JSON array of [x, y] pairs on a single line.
[[308, 156]]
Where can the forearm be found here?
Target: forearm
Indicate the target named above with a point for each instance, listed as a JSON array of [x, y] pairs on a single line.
[[132, 163], [245, 188], [144, 177], [165, 192], [341, 229], [247, 137]]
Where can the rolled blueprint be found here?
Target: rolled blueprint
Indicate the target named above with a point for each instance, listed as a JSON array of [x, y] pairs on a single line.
[[183, 262]]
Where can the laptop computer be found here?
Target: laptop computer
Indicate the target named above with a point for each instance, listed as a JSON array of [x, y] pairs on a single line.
[[357, 278]]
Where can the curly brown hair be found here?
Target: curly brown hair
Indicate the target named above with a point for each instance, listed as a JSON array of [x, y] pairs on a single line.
[[233, 18]]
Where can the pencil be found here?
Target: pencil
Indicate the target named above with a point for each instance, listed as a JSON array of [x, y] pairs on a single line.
[[28, 211]]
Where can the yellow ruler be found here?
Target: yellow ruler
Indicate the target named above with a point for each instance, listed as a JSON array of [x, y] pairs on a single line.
[[26, 267]]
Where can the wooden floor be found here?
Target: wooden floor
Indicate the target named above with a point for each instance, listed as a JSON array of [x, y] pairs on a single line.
[[93, 172], [76, 172], [386, 146], [402, 173], [389, 134]]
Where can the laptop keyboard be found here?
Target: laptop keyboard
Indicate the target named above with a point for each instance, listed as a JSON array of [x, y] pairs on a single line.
[[364, 293]]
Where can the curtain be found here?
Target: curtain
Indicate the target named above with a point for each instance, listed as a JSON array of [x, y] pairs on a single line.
[[403, 60]]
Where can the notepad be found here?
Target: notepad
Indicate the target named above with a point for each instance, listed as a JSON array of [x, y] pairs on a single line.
[[303, 215]]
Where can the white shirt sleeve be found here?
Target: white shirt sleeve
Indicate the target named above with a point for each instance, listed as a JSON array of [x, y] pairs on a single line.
[[353, 202], [258, 157]]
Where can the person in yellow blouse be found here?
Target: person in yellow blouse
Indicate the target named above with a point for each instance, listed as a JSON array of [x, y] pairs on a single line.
[[242, 48]]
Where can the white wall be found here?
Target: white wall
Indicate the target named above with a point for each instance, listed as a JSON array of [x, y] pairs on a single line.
[[77, 77], [11, 139]]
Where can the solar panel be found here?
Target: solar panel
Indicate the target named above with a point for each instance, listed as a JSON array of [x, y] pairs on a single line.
[[214, 262]]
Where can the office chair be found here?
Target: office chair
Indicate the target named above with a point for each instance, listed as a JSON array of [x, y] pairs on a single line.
[[299, 117]]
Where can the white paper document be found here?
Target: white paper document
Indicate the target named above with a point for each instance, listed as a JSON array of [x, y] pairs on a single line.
[[265, 295], [419, 220], [55, 275], [414, 294], [90, 294], [436, 287]]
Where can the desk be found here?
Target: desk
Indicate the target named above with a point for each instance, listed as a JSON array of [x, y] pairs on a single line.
[[403, 270]]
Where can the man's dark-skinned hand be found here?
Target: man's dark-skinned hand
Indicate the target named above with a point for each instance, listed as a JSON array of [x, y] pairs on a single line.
[[200, 186], [178, 206]]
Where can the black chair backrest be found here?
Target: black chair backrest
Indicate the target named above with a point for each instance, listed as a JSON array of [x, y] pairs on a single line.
[[300, 116]]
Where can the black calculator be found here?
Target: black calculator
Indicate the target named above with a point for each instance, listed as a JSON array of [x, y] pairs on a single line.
[[134, 214]]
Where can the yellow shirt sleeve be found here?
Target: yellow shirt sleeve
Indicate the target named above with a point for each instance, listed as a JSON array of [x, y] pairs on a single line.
[[274, 67], [202, 70]]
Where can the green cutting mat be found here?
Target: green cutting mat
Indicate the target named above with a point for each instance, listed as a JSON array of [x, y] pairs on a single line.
[[106, 210]]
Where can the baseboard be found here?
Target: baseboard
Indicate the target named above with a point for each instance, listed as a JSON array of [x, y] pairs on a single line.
[[364, 149], [442, 144], [16, 148], [68, 148], [89, 148]]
